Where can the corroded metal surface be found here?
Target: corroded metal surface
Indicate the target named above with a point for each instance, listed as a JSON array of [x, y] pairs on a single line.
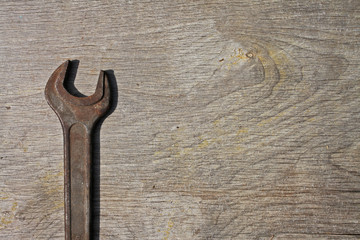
[[77, 116]]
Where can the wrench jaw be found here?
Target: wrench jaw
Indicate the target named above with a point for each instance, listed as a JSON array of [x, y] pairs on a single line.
[[52, 95], [90, 114], [71, 109], [103, 105]]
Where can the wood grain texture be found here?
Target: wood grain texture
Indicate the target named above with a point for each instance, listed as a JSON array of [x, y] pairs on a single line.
[[235, 119]]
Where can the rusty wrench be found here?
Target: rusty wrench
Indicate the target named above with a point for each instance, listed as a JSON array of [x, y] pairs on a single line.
[[77, 116]]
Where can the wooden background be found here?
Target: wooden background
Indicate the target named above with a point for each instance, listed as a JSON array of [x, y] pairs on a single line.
[[233, 119]]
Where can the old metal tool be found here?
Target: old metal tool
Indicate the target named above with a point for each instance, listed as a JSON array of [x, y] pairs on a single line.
[[77, 116]]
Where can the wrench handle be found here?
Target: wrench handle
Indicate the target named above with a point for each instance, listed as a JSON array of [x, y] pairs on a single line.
[[77, 182]]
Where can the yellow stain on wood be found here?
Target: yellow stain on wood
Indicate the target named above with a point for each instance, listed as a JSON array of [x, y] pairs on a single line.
[[270, 73], [58, 204], [281, 61], [218, 134], [158, 153], [270, 119], [313, 119], [239, 148], [183, 151], [237, 56], [216, 122], [168, 230], [50, 183], [277, 65], [18, 144], [4, 198], [6, 221], [242, 134], [14, 207], [177, 151], [7, 215], [203, 144], [225, 136], [242, 131], [49, 177]]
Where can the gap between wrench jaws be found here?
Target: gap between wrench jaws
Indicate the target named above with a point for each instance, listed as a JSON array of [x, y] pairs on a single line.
[[77, 115]]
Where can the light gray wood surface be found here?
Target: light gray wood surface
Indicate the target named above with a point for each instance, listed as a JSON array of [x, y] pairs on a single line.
[[234, 119]]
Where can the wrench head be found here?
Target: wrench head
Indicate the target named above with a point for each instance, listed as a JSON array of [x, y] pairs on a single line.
[[71, 109]]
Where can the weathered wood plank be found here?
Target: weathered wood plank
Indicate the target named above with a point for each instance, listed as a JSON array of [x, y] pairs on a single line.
[[234, 119]]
